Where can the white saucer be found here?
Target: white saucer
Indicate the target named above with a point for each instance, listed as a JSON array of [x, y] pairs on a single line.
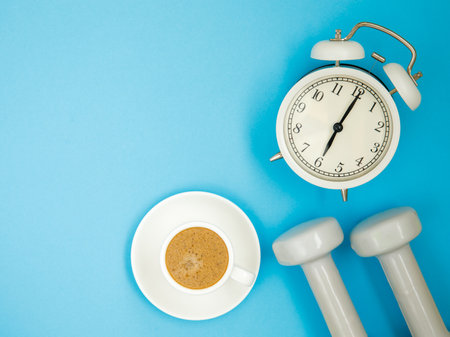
[[154, 229]]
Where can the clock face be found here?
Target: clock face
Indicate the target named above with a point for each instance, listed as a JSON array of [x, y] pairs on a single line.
[[338, 127]]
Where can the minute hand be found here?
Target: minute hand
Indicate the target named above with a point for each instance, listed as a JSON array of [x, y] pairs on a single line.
[[350, 107], [338, 126]]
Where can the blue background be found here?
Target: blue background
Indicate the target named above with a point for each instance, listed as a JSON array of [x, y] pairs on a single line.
[[108, 107]]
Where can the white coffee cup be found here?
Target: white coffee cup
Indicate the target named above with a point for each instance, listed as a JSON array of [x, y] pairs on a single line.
[[234, 272]]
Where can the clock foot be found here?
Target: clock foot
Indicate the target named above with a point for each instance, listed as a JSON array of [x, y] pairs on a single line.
[[344, 194], [276, 157]]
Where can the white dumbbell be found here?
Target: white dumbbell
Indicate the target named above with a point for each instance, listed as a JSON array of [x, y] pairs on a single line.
[[387, 236], [309, 245]]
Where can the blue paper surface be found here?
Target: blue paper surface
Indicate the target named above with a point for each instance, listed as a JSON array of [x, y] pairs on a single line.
[[108, 107]]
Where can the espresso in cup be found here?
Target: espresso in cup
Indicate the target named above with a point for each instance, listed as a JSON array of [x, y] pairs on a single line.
[[197, 258]]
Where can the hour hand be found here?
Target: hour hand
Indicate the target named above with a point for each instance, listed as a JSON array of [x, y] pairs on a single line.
[[337, 127], [329, 143]]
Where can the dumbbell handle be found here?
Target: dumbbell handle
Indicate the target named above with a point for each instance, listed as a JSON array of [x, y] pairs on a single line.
[[412, 293], [333, 299]]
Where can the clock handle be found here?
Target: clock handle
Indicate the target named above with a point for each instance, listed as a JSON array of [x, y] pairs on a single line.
[[391, 33]]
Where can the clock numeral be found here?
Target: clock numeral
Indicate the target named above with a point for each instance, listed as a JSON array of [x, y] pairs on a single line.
[[359, 161], [337, 89], [358, 92], [380, 126], [306, 146], [339, 168], [318, 95], [373, 106], [297, 128], [318, 162], [376, 147], [301, 107]]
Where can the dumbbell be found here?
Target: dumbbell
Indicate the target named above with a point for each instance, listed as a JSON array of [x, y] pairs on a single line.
[[309, 245], [387, 236]]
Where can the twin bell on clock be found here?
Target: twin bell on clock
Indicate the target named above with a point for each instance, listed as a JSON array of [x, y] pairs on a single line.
[[338, 127]]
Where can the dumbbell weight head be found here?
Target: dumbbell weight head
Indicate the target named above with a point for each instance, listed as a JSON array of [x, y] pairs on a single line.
[[308, 241], [385, 232]]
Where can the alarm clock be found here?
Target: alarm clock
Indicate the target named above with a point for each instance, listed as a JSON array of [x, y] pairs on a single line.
[[338, 127]]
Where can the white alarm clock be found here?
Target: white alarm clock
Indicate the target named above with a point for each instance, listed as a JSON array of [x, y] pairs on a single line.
[[338, 127]]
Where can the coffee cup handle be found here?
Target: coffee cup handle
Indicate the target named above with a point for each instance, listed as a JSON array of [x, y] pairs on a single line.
[[242, 276]]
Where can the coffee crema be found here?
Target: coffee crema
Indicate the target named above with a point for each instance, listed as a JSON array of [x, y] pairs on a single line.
[[197, 258]]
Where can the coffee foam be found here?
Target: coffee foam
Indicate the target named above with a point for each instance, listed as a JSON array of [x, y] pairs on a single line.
[[197, 258]]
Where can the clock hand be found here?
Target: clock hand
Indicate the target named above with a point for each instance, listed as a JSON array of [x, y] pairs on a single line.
[[350, 107], [329, 142], [338, 127]]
